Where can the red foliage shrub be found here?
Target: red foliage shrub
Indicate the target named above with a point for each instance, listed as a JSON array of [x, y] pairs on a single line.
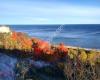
[[24, 41], [14, 35], [62, 48]]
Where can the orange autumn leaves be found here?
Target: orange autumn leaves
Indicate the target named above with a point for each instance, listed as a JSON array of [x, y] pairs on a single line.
[[62, 48], [41, 46], [24, 42], [16, 40], [46, 47], [44, 50], [14, 36]]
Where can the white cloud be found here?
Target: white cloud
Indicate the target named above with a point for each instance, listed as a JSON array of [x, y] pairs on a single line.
[[36, 19], [51, 13]]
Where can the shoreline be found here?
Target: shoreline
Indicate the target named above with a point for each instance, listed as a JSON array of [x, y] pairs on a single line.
[[87, 49]]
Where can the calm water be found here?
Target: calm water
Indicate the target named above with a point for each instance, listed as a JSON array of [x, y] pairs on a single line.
[[87, 36], [76, 35]]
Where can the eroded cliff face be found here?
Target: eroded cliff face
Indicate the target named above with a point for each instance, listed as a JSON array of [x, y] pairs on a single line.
[[5, 29]]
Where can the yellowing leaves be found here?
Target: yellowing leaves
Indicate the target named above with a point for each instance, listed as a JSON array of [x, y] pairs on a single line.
[[83, 56], [71, 53], [16, 40]]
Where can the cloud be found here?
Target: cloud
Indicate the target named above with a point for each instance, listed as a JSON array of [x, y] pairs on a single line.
[[39, 20], [48, 13]]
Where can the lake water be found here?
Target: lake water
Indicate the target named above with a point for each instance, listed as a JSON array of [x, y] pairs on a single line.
[[87, 36]]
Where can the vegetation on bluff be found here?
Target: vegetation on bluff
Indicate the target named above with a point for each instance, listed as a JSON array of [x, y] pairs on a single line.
[[76, 63], [16, 40], [20, 41]]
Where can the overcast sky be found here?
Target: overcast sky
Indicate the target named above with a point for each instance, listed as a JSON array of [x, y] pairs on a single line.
[[49, 11]]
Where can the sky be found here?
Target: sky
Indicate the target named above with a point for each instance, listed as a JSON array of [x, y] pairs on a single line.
[[49, 11]]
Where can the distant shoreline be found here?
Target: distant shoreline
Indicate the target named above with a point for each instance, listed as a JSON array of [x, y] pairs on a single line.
[[87, 49]]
